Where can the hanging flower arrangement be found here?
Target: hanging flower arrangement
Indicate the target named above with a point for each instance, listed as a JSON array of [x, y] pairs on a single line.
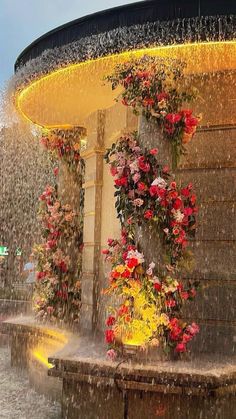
[[146, 193], [57, 292], [150, 312], [156, 87]]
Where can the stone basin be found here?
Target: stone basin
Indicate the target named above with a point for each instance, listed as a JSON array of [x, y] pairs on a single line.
[[77, 368]]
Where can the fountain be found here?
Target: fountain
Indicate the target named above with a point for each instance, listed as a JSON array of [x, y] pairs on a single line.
[[60, 86]]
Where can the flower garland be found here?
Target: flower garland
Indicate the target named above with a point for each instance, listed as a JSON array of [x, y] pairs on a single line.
[[57, 294], [152, 301], [154, 86], [144, 192]]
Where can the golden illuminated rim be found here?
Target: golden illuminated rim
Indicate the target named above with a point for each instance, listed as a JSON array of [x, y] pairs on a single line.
[[121, 57]]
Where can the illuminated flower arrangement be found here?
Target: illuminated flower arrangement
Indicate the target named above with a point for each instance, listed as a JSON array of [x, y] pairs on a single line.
[[149, 314], [156, 87], [57, 292]]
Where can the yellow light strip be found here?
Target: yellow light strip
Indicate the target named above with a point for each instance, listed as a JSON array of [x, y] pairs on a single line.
[[42, 359], [129, 54]]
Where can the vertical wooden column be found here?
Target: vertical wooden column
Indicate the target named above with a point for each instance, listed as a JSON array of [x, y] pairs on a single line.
[[93, 157]]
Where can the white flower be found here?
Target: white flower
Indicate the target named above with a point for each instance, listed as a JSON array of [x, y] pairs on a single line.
[[159, 181], [178, 215], [136, 255]]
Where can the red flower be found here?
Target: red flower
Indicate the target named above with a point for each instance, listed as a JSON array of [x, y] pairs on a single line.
[[63, 267], [148, 101], [123, 310], [186, 338], [123, 181], [110, 321], [162, 95], [153, 190], [184, 295], [157, 286], [185, 192], [132, 263], [153, 151], [41, 275], [180, 347], [173, 118], [109, 336], [188, 211], [177, 203], [105, 252], [148, 214], [144, 166], [170, 303], [141, 186], [173, 185]]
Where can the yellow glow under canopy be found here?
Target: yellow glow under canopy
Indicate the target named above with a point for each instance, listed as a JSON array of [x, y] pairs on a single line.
[[69, 95]]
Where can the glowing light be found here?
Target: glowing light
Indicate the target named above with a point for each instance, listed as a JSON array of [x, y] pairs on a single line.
[[42, 359], [67, 96]]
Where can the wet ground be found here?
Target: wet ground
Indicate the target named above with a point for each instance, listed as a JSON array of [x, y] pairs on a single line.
[[17, 399]]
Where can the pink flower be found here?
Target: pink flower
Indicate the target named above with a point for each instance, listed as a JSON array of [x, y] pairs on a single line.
[[136, 177], [138, 202], [111, 354], [193, 329], [153, 151], [105, 252], [113, 170]]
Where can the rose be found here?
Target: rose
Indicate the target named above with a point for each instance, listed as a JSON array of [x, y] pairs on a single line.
[[141, 186], [148, 214], [138, 202], [110, 321], [173, 118], [181, 347], [123, 181], [144, 166], [109, 336]]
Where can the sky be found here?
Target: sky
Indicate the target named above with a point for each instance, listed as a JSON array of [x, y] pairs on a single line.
[[22, 21]]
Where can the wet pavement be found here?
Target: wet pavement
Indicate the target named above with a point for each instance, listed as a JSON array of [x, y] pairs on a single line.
[[17, 399]]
